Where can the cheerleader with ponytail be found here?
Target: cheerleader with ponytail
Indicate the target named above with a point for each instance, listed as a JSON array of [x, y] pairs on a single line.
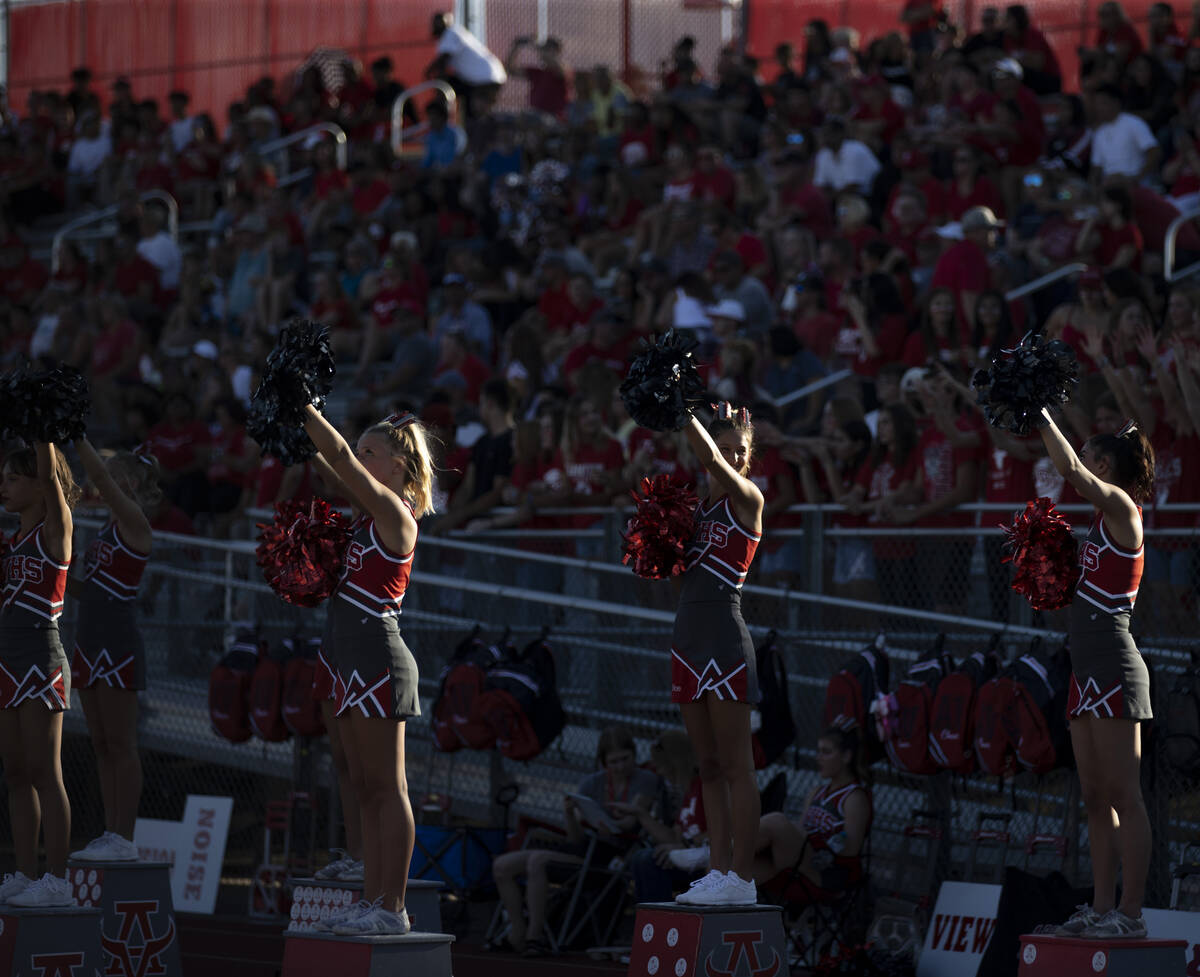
[[35, 679], [109, 661]]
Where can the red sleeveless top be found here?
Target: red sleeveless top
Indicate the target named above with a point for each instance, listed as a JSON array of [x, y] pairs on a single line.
[[720, 544], [34, 584], [111, 565], [1109, 576]]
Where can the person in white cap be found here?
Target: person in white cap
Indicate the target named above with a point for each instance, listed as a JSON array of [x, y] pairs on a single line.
[[963, 267]]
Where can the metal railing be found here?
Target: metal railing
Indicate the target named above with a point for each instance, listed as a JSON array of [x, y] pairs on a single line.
[[70, 228], [287, 178], [1170, 273], [1047, 279], [398, 132]]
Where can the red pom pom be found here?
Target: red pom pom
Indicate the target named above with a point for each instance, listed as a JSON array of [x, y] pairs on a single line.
[[1043, 552], [301, 552], [657, 535]]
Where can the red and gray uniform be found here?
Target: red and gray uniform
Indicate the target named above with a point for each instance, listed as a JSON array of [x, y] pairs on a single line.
[[375, 671], [32, 663], [825, 819], [108, 645], [711, 650], [1109, 677]]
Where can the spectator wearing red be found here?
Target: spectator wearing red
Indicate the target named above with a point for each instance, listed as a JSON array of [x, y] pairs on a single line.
[[970, 102], [922, 18], [876, 327], [181, 444], [1116, 36], [548, 81], [1032, 51], [368, 187], [1165, 41], [459, 371], [607, 344], [968, 187], [712, 181], [853, 214], [963, 267], [152, 173], [908, 222], [800, 199], [232, 463], [942, 335], [590, 459], [1008, 480], [813, 324], [877, 119], [1111, 239], [916, 175]]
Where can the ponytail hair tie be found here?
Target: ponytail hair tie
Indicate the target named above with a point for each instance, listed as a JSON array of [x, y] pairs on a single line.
[[1129, 428], [743, 416], [723, 410], [142, 454], [400, 421]]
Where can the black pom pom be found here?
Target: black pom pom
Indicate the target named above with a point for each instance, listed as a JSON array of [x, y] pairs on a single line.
[[662, 383], [44, 405], [1024, 380], [287, 442], [301, 369]]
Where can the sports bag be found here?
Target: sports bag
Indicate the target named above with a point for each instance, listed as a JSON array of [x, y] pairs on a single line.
[[952, 723], [520, 703], [461, 683], [266, 698], [301, 707], [908, 746], [851, 691], [229, 689], [776, 728]]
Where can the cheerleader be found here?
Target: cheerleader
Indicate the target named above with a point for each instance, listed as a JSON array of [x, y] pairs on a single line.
[[389, 478], [35, 679], [109, 662], [1110, 685], [713, 675]]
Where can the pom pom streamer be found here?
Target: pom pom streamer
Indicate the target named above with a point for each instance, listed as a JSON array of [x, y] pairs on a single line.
[[1023, 380], [299, 372], [44, 405], [302, 551], [1044, 555], [662, 384], [656, 536]]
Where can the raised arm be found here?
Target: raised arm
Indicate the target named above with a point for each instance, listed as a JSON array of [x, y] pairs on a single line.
[[59, 524], [396, 525], [744, 494], [131, 520]]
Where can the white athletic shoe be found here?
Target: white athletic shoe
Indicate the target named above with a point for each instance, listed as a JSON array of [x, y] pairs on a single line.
[[109, 847], [377, 922], [327, 924], [14, 885], [699, 887], [689, 859], [352, 871], [336, 865], [49, 890], [730, 891]]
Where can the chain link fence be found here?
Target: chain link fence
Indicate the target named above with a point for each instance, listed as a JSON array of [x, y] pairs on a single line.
[[609, 631]]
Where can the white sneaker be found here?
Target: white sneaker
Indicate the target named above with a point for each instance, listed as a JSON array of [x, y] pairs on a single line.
[[327, 924], [109, 847], [352, 871], [336, 865], [699, 887], [49, 890], [377, 922], [731, 891], [689, 859], [14, 885]]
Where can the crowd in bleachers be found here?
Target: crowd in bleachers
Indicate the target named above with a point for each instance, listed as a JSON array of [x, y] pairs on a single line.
[[845, 204]]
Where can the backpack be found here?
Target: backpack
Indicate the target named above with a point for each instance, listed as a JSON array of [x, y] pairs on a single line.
[[909, 745], [266, 698], [776, 727], [301, 707], [853, 689], [993, 747], [1036, 714], [520, 702], [461, 683], [229, 689], [952, 722], [1181, 722]]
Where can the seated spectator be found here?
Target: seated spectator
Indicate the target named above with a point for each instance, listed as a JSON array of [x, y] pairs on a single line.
[[85, 166], [619, 780], [843, 163], [1122, 144], [730, 281], [160, 249], [181, 444], [963, 268], [463, 315], [1029, 47], [1111, 239]]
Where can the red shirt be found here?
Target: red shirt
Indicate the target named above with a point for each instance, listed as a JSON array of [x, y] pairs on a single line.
[[270, 479], [983, 194], [109, 349], [766, 470], [473, 370], [129, 276], [1035, 41], [1009, 478], [716, 185], [963, 267], [547, 91], [881, 480], [940, 461], [1124, 34], [614, 357], [175, 446], [388, 300], [173, 520], [1112, 240], [889, 112], [366, 199], [933, 190], [328, 182], [809, 205], [1176, 479], [228, 444], [817, 332]]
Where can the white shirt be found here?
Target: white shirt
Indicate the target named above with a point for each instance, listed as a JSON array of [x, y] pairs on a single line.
[[87, 155], [854, 165], [469, 59], [181, 132], [1119, 147], [164, 254]]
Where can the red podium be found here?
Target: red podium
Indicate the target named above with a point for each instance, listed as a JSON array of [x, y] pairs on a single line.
[[326, 955], [1063, 956], [50, 941], [672, 940]]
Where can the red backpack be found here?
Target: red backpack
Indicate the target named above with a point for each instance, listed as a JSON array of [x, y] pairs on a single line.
[[1037, 714], [462, 681], [851, 691], [952, 724], [908, 747], [229, 689], [520, 701], [266, 698], [301, 707], [993, 745]]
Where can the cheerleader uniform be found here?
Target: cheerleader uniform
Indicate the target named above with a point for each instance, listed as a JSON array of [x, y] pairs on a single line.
[[33, 665], [108, 645], [375, 672], [1109, 678], [711, 650], [824, 820]]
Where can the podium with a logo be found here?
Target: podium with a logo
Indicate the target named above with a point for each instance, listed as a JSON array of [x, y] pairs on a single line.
[[673, 940], [317, 899], [137, 927], [1060, 956], [55, 942]]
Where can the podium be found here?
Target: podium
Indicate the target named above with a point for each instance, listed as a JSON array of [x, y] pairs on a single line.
[[674, 940], [50, 941], [322, 954], [137, 931], [316, 899], [1059, 956]]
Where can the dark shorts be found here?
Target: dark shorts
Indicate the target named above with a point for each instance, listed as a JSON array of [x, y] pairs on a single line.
[[108, 646], [33, 667], [1109, 678], [375, 672], [711, 651]]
